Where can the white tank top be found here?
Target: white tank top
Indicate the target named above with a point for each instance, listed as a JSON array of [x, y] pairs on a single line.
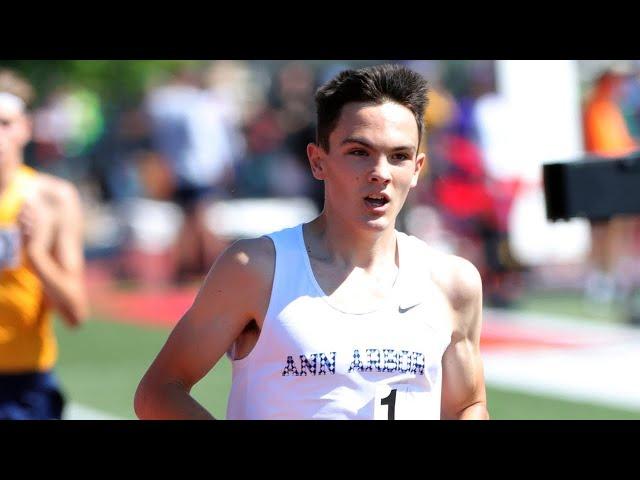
[[314, 360]]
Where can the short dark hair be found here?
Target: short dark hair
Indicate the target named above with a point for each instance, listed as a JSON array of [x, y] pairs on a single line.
[[377, 84]]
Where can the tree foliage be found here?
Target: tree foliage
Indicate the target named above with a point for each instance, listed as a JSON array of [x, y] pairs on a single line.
[[119, 81]]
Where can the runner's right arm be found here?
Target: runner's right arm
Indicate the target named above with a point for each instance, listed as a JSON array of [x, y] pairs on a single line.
[[235, 292]]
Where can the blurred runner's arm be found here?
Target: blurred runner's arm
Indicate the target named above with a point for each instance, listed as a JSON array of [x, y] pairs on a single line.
[[235, 292], [463, 387], [53, 243]]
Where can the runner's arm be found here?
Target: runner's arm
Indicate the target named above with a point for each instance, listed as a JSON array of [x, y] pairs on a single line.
[[54, 246], [234, 292], [463, 387]]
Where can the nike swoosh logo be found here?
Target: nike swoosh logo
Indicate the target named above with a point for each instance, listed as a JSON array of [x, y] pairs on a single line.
[[405, 310]]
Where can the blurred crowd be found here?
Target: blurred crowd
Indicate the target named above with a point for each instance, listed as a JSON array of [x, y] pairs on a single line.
[[234, 129]]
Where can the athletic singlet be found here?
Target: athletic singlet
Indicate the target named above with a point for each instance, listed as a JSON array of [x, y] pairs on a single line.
[[314, 360], [27, 342]]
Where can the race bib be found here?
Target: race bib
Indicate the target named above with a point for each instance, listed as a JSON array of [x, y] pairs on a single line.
[[401, 402], [9, 248]]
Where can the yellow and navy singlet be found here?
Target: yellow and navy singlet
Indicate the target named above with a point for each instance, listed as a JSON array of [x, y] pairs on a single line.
[[27, 341]]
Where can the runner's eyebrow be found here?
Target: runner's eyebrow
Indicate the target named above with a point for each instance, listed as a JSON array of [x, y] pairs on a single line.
[[356, 140], [410, 149], [364, 143]]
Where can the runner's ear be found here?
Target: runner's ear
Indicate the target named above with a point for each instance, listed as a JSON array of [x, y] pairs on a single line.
[[421, 162], [316, 156]]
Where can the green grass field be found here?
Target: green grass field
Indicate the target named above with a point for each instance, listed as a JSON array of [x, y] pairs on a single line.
[[101, 364], [572, 304]]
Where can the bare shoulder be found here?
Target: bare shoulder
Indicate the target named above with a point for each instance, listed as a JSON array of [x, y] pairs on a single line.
[[58, 191], [255, 255], [460, 282], [456, 277], [459, 279], [239, 283], [248, 262]]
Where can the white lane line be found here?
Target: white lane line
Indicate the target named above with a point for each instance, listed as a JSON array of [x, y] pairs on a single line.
[[605, 374], [75, 411]]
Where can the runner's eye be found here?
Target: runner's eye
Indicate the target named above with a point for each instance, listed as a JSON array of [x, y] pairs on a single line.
[[358, 152]]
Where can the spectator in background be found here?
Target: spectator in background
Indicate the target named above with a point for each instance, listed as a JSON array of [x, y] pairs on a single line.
[[254, 134], [295, 84], [188, 132], [49, 128], [231, 87], [276, 138], [265, 141], [41, 265], [120, 158], [65, 129], [606, 134], [472, 206]]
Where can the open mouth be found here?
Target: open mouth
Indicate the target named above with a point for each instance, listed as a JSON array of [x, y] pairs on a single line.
[[376, 200]]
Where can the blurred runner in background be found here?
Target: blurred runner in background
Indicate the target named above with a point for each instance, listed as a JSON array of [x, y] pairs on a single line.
[[41, 265]]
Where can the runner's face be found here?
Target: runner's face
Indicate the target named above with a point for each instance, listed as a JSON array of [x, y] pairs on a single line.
[[14, 133], [371, 165]]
